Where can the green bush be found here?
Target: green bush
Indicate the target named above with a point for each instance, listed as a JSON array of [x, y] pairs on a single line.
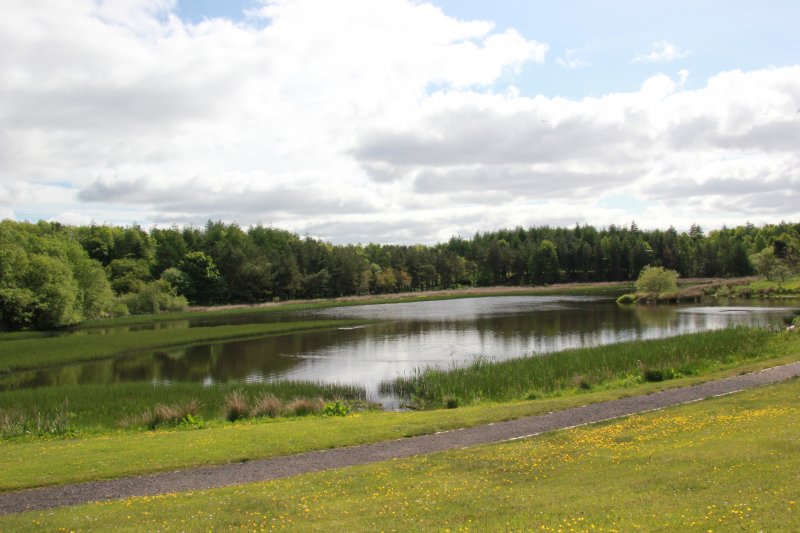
[[657, 280], [336, 408], [626, 299], [152, 298]]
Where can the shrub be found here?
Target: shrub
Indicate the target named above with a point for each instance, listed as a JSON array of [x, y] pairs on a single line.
[[657, 280], [626, 299], [336, 408], [153, 297]]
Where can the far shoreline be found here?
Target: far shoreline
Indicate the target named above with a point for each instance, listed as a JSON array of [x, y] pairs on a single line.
[[441, 294], [611, 289]]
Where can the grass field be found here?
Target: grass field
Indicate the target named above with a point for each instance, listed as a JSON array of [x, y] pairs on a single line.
[[725, 464]]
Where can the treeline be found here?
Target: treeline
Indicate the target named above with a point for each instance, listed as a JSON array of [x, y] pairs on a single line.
[[55, 275]]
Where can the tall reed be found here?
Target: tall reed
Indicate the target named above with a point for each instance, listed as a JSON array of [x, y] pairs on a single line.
[[583, 368]]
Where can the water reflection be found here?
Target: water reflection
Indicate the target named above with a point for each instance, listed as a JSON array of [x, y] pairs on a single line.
[[409, 336]]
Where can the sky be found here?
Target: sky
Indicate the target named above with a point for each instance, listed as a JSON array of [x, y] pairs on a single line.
[[400, 121]]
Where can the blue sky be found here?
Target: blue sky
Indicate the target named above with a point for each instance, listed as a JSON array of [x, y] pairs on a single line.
[[400, 121]]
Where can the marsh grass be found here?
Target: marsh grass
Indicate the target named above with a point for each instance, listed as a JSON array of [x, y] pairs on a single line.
[[15, 422], [163, 415], [586, 368], [99, 408]]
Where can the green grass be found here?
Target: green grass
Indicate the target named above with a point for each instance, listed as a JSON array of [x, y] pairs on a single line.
[[34, 463], [102, 408], [766, 287], [603, 366], [31, 353], [725, 464]]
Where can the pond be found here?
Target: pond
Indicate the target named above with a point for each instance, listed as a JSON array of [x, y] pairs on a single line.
[[406, 337]]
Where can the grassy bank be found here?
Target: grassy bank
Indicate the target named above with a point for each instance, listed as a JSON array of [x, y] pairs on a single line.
[[604, 366], [726, 464], [748, 288], [47, 462], [22, 353], [763, 288], [101, 408]]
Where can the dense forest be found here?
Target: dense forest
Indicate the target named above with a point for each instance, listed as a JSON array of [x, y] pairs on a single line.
[[54, 275]]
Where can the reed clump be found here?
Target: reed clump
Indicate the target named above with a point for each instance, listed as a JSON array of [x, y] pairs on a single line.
[[235, 406], [266, 405], [15, 422], [163, 415], [305, 407]]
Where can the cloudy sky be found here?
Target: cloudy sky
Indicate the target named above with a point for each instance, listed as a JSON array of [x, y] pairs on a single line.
[[400, 121]]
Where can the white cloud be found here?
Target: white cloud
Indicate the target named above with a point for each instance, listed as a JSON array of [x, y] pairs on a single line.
[[661, 52], [361, 120], [571, 60], [715, 149]]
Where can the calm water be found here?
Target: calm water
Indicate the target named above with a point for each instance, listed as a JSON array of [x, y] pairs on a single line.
[[408, 336]]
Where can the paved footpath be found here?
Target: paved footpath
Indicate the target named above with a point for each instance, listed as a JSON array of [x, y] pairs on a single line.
[[291, 465]]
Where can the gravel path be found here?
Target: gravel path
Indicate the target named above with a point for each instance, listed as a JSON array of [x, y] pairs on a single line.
[[279, 467]]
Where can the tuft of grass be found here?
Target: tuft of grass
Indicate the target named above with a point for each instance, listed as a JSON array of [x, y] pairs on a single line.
[[451, 402], [163, 415], [581, 382], [586, 368], [266, 405], [305, 407], [235, 406]]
